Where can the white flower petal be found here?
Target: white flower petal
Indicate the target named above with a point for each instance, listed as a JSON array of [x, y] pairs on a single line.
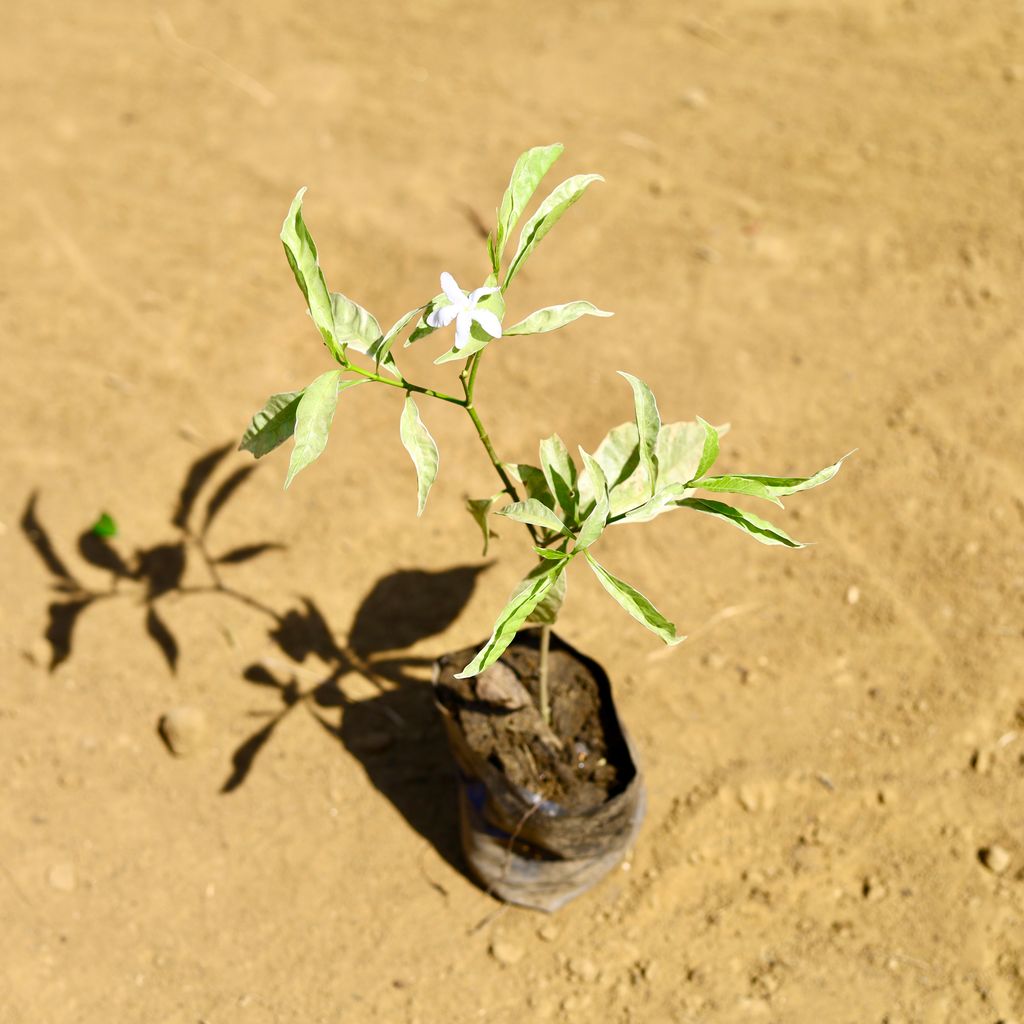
[[463, 322], [478, 293], [443, 316], [450, 287], [488, 321]]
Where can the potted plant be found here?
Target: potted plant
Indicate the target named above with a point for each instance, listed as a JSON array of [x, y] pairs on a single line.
[[551, 796]]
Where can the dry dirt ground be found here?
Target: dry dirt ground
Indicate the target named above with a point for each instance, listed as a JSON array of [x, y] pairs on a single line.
[[811, 227]]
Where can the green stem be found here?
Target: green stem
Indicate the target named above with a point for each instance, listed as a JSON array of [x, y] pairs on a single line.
[[544, 696], [468, 378], [404, 384]]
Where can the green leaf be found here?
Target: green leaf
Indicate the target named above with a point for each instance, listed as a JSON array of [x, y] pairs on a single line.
[[353, 325], [420, 446], [478, 337], [710, 451], [104, 527], [547, 216], [736, 485], [545, 612], [758, 528], [550, 318], [665, 499], [648, 424], [593, 526], [381, 350], [313, 416], [770, 487], [272, 425], [679, 448], [534, 512], [479, 509], [300, 249], [635, 603], [525, 598], [530, 168], [560, 473], [422, 328], [551, 554], [534, 482]]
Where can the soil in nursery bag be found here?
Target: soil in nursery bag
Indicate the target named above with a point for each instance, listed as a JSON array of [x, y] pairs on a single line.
[[566, 763], [545, 811]]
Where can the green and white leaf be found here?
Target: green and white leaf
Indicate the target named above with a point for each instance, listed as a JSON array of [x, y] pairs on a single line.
[[560, 473], [547, 216], [635, 603], [665, 500], [272, 425], [680, 446], [478, 337], [770, 487], [710, 449], [313, 417], [552, 554], [534, 481], [758, 528], [479, 508], [421, 448], [530, 168], [525, 598], [648, 423], [300, 249], [550, 318], [593, 526], [533, 512], [422, 328], [546, 611], [736, 485], [380, 351]]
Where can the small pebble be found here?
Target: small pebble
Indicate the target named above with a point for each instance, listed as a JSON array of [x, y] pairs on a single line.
[[183, 730], [548, 932], [506, 953], [500, 685], [852, 594], [62, 877], [1014, 73], [695, 99], [584, 969], [995, 858]]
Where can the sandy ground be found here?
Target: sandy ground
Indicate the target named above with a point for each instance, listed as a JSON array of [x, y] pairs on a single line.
[[811, 227]]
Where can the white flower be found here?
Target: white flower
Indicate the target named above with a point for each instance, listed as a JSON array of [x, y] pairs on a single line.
[[463, 309]]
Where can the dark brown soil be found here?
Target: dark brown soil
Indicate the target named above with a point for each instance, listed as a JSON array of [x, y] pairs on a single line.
[[565, 763]]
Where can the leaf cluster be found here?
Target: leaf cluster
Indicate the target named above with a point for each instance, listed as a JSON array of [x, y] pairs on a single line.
[[640, 470]]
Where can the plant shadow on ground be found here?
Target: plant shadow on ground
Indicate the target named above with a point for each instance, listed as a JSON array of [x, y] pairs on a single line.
[[395, 733]]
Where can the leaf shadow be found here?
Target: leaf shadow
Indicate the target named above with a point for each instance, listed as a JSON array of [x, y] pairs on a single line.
[[395, 734]]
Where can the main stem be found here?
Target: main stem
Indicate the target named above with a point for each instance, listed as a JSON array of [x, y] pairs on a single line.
[[544, 696], [468, 378]]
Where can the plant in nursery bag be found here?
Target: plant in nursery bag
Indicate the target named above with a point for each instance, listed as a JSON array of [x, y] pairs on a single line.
[[550, 793]]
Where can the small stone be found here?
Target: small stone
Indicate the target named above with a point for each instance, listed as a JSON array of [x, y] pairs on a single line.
[[183, 730], [500, 685], [62, 877], [852, 594], [695, 98], [754, 798], [873, 890], [1014, 73], [506, 953], [995, 857], [548, 932], [584, 969]]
